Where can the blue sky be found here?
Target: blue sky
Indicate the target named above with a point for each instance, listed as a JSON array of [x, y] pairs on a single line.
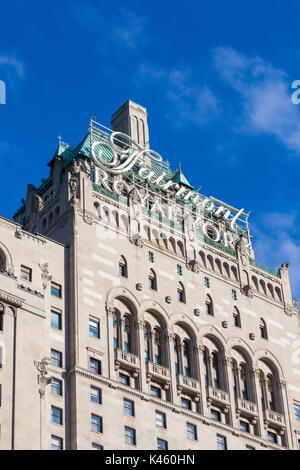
[[215, 78]]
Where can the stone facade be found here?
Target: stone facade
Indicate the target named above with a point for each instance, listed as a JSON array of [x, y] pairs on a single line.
[[219, 332]]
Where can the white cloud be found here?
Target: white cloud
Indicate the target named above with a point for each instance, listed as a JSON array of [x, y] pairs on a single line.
[[266, 95], [111, 25], [277, 240], [11, 61], [190, 101]]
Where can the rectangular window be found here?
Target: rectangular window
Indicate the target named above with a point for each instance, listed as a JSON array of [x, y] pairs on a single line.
[[56, 387], [56, 358], [95, 366], [185, 403], [244, 426], [96, 423], [56, 443], [206, 282], [161, 444], [234, 294], [124, 379], [128, 407], [151, 257], [221, 442], [297, 411], [56, 415], [155, 391], [130, 436], [56, 320], [191, 431], [26, 273], [94, 328], [216, 415], [299, 444], [250, 447], [179, 269], [96, 446], [96, 395], [160, 419], [55, 289], [272, 437]]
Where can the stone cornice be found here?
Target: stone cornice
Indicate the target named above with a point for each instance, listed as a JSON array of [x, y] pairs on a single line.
[[11, 299]]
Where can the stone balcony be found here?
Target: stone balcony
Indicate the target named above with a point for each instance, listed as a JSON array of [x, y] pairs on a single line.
[[274, 418], [158, 372], [127, 361], [246, 407], [218, 397], [188, 384]]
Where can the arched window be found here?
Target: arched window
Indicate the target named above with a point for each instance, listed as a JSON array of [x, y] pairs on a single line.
[[2, 261], [176, 355], [157, 346], [147, 342], [234, 378], [215, 372], [116, 331], [244, 382], [236, 318], [123, 267], [186, 359], [180, 293], [263, 329], [127, 334], [206, 368], [1, 317], [278, 294], [209, 306], [255, 282], [219, 265], [270, 392], [234, 272], [227, 270], [263, 286], [152, 280]]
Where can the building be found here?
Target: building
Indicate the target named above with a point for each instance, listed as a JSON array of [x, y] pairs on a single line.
[[133, 313]]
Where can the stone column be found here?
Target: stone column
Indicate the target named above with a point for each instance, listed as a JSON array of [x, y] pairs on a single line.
[[174, 395], [285, 411], [143, 383], [110, 340], [228, 382], [199, 352], [256, 376]]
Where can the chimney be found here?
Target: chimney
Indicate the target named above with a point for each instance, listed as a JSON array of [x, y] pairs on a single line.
[[131, 119]]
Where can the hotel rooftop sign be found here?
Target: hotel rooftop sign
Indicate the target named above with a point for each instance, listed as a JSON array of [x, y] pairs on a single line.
[[115, 153]]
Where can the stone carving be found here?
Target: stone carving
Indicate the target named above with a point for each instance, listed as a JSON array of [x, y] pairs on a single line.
[[43, 381], [289, 310], [139, 286], [45, 274], [137, 240], [37, 203], [168, 299], [248, 291], [284, 266], [295, 303], [18, 232], [88, 219], [194, 265], [197, 312], [225, 324], [74, 181], [252, 336]]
